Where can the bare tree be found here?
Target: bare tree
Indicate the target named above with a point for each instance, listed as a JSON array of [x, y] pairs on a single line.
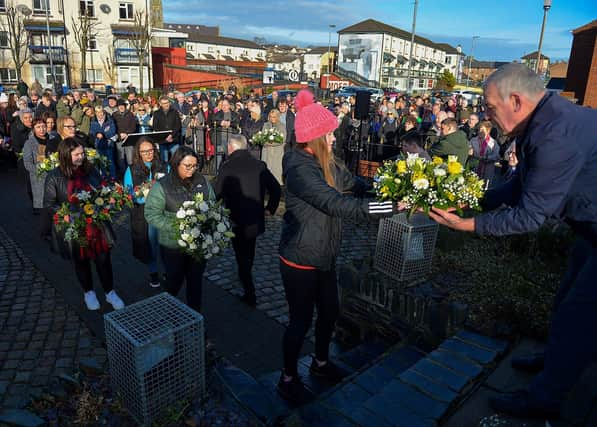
[[17, 36], [110, 65], [140, 40], [84, 29]]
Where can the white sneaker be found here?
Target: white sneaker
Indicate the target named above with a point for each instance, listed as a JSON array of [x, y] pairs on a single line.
[[113, 298], [91, 301]]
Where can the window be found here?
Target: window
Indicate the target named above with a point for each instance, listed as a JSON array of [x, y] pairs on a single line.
[[2, 5], [210, 49], [92, 43], [229, 51], [95, 76], [126, 11], [86, 7], [448, 60], [8, 75], [4, 39], [41, 6]]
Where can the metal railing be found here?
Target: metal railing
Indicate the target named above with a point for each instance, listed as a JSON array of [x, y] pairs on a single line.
[[41, 54]]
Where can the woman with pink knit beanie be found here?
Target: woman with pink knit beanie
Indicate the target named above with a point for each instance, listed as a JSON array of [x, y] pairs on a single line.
[[310, 241]]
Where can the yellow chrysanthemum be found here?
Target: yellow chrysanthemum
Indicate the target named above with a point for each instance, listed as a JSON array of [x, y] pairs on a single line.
[[88, 209], [451, 196], [401, 166], [454, 168], [437, 160]]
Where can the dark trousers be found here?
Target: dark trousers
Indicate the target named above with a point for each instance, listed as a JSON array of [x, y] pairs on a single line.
[[244, 250], [180, 267], [103, 267], [306, 289], [572, 343]]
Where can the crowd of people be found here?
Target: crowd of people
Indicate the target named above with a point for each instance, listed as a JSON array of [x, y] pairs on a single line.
[[185, 146]]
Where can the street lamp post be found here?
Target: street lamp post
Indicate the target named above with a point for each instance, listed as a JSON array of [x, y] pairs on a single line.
[[409, 86], [330, 62], [546, 7], [470, 59], [50, 42]]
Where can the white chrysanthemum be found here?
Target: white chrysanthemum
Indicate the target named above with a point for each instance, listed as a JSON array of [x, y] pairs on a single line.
[[215, 249], [188, 204], [421, 184], [190, 212], [203, 207], [217, 236], [182, 243], [221, 227], [192, 246], [411, 159], [195, 232], [209, 240], [460, 180], [439, 172], [180, 214]]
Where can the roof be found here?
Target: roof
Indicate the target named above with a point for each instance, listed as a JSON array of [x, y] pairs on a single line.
[[198, 29], [450, 50], [225, 41], [123, 30], [587, 27], [556, 83], [533, 55], [320, 50], [35, 25], [208, 56], [376, 27], [487, 64], [280, 59]]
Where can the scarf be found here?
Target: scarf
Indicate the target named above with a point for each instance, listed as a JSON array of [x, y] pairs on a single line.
[[209, 147], [95, 240], [482, 153]]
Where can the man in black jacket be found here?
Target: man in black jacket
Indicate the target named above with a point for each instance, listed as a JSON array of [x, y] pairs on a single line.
[[287, 118], [242, 183], [125, 124], [167, 119]]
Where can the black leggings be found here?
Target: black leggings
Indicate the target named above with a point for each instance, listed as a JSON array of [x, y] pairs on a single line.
[[306, 289], [244, 250], [180, 266], [103, 266]]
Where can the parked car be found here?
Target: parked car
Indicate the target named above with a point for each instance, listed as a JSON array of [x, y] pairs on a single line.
[[467, 94]]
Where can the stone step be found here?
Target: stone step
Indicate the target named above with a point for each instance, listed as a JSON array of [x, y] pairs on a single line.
[[405, 387], [258, 400]]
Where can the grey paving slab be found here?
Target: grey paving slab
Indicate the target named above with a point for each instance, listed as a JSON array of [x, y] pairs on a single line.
[[28, 356]]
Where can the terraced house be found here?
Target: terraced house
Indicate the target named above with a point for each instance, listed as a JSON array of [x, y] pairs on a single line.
[[76, 42]]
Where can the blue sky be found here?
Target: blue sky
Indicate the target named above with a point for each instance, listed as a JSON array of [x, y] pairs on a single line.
[[508, 29]]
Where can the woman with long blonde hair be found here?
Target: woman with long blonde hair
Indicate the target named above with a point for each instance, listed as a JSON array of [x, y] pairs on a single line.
[[310, 241]]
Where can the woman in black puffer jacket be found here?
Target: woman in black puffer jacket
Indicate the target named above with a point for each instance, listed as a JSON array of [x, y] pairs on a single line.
[[75, 174], [310, 240]]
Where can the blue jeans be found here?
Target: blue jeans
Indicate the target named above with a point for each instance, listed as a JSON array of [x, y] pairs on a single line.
[[152, 234], [167, 151], [572, 343]]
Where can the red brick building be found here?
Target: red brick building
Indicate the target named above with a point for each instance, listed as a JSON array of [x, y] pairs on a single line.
[[581, 79]]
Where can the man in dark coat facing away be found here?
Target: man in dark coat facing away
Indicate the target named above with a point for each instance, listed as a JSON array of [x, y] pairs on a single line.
[[242, 184]]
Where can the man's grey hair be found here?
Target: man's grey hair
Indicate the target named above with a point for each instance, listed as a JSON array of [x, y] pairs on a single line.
[[237, 142], [516, 77], [25, 111]]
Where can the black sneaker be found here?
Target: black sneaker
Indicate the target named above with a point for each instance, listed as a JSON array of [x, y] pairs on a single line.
[[329, 371], [154, 280], [294, 391]]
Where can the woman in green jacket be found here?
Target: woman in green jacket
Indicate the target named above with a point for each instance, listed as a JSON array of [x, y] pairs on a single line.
[[163, 201]]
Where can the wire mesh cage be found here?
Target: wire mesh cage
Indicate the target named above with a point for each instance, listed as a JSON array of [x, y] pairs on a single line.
[[405, 246], [156, 355]]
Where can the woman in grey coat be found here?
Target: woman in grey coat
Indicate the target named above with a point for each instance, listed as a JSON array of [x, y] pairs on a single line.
[[484, 152], [34, 152], [272, 154]]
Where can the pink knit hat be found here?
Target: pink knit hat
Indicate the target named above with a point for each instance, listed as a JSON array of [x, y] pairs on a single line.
[[312, 120]]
